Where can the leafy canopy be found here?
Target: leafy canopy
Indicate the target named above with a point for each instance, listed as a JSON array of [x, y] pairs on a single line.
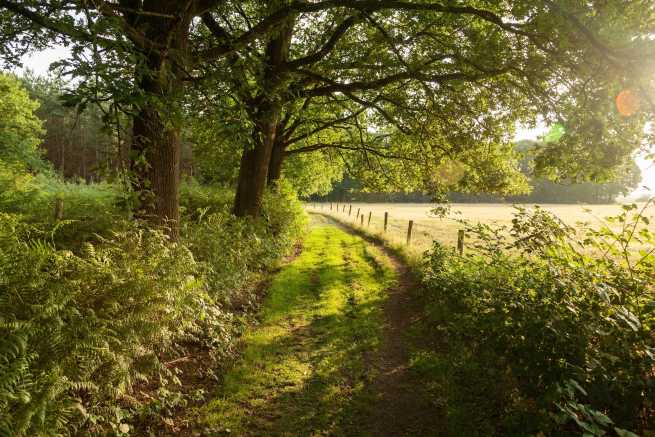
[[404, 92], [20, 128]]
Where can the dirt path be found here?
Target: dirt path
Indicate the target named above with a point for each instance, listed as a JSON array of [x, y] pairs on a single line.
[[331, 354], [402, 407]]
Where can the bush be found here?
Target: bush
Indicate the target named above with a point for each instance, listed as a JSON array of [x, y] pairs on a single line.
[[82, 331], [235, 250], [544, 331]]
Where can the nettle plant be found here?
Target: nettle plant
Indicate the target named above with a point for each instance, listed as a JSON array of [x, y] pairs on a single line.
[[562, 318]]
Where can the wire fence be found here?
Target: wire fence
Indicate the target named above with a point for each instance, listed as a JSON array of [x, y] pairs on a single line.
[[418, 234]]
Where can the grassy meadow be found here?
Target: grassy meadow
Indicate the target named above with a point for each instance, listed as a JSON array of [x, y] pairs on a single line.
[[429, 227]]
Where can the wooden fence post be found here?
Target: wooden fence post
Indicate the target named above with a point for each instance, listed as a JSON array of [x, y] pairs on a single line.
[[409, 231], [357, 216], [460, 241], [362, 220], [350, 210], [344, 208], [386, 218], [59, 209], [330, 206], [369, 219]]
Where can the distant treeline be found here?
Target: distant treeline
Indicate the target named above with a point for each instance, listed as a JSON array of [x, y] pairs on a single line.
[[91, 142], [542, 190]]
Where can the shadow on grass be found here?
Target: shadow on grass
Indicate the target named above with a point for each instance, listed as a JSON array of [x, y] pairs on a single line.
[[305, 369]]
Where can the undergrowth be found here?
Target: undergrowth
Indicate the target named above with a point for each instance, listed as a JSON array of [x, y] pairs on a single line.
[[541, 331], [94, 306]]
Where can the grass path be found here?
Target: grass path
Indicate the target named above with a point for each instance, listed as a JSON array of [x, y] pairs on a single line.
[[325, 359], [304, 368]]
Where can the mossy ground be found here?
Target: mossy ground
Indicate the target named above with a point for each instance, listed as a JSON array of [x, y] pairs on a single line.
[[306, 367]]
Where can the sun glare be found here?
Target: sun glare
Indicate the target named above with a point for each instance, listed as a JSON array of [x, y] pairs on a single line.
[[627, 103]]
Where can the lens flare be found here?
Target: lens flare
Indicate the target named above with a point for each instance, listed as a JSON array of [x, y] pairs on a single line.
[[555, 133], [627, 103]]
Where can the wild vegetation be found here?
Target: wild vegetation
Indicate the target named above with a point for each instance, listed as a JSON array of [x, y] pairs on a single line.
[[149, 191], [94, 304], [543, 332]]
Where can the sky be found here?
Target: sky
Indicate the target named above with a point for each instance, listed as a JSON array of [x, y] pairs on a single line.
[[40, 63]]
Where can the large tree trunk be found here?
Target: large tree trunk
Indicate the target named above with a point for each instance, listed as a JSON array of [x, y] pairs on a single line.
[[253, 173], [275, 165], [156, 147], [156, 169]]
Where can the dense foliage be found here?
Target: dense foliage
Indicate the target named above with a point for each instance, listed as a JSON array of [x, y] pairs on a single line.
[[542, 330], [81, 329], [541, 189], [20, 129], [93, 303], [405, 95]]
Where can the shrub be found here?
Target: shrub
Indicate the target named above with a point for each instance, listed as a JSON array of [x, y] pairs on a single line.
[[544, 331], [235, 250], [81, 329]]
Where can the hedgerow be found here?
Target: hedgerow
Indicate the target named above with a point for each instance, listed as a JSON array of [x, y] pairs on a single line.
[[541, 330], [90, 312]]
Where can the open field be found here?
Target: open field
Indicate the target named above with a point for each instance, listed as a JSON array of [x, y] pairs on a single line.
[[428, 227]]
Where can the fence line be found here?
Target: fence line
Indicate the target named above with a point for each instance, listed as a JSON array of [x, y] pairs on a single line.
[[387, 225]]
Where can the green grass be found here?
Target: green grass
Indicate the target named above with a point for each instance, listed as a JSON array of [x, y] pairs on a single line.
[[304, 368]]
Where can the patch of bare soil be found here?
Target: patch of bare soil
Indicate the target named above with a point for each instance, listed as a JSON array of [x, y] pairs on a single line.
[[401, 405]]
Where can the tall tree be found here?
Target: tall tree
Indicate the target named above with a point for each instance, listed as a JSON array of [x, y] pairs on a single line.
[[20, 128], [150, 38], [139, 53], [433, 84]]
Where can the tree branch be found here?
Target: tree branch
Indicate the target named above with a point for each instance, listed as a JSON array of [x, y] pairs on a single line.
[[71, 31], [340, 146], [350, 87], [325, 126], [338, 33]]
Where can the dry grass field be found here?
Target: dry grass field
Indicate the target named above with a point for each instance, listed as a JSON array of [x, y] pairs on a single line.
[[428, 227]]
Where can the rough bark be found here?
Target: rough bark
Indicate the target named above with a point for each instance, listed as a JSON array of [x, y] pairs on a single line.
[[275, 164], [156, 169], [253, 174], [156, 148], [255, 161]]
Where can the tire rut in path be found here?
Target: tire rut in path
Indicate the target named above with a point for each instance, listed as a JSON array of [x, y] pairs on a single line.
[[401, 405]]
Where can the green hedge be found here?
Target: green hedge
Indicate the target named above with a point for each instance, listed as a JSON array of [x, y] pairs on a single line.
[[543, 330]]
